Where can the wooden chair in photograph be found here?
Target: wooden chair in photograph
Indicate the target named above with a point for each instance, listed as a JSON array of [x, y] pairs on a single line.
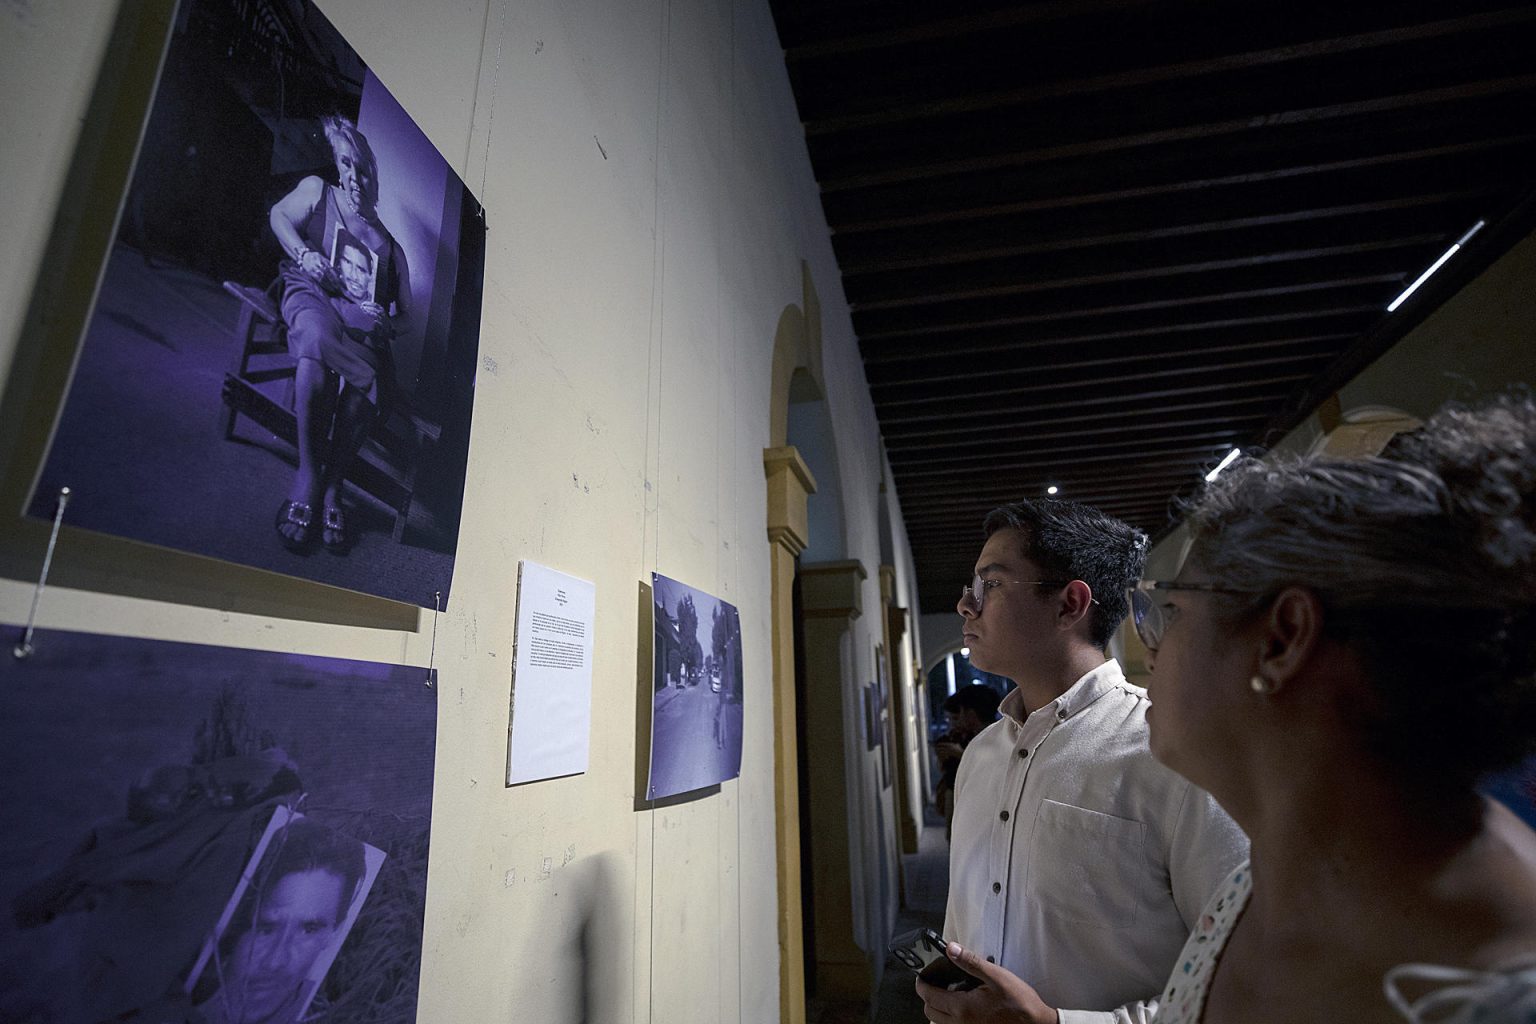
[[386, 466]]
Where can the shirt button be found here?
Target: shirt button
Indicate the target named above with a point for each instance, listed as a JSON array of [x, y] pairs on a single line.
[[997, 886], [1004, 815], [1061, 715], [1023, 753]]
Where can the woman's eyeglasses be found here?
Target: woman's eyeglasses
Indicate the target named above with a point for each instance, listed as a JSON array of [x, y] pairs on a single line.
[[1151, 618]]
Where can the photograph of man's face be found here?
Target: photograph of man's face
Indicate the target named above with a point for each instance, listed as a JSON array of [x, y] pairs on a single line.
[[293, 927], [286, 925], [356, 272]]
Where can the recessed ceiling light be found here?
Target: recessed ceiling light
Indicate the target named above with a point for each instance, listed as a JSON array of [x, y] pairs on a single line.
[[1051, 489]]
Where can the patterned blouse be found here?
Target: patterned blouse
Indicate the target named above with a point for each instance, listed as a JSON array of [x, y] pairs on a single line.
[[1464, 997], [1183, 1001]]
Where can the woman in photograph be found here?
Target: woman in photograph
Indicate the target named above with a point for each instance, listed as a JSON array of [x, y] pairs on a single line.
[[1349, 649], [342, 308]]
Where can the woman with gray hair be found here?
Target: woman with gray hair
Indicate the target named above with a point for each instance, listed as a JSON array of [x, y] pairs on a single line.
[[1350, 647], [344, 286]]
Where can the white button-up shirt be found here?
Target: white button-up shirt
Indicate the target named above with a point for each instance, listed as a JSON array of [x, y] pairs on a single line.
[[1078, 861]]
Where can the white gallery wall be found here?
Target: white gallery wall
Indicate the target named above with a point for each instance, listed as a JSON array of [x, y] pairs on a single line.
[[650, 207]]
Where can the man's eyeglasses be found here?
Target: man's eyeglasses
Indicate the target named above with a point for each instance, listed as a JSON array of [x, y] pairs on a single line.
[[1152, 619], [976, 593]]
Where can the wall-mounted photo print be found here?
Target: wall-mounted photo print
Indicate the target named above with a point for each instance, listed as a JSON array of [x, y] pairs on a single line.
[[696, 684], [211, 835], [279, 365]]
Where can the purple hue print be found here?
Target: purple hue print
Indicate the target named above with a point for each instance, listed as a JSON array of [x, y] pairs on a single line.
[[230, 398], [207, 833], [696, 682]]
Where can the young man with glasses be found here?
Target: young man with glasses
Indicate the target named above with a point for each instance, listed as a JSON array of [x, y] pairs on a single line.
[[1078, 864]]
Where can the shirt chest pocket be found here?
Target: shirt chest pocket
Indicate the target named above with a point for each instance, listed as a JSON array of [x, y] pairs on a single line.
[[1088, 866]]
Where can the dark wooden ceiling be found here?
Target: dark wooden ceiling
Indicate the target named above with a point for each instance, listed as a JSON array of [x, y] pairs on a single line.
[[1096, 243]]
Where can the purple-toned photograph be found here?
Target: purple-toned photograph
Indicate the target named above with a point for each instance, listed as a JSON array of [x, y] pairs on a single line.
[[871, 703], [206, 835], [696, 682], [279, 366]]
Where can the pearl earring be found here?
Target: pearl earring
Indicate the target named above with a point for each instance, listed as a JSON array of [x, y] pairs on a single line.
[[1260, 685]]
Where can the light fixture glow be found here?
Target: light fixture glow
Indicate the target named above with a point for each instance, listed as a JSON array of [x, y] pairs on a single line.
[[965, 652], [1051, 489], [1230, 458], [1452, 251]]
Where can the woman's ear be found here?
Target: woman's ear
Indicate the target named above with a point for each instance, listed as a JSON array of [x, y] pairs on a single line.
[[1292, 631]]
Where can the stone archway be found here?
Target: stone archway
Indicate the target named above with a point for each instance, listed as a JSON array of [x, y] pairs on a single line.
[[796, 375]]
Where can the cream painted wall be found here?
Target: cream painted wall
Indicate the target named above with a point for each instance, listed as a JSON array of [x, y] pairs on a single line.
[[650, 203]]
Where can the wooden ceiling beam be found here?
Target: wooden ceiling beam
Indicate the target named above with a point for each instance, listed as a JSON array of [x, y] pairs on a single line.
[[819, 30], [995, 455], [1271, 214], [885, 171], [1345, 148], [941, 366], [1131, 380], [1359, 295], [1151, 331], [932, 506], [941, 521], [1106, 432], [1365, 275], [1273, 387], [1027, 277], [821, 123]]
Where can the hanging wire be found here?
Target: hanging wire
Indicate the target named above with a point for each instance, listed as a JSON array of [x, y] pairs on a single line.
[[437, 606], [24, 649]]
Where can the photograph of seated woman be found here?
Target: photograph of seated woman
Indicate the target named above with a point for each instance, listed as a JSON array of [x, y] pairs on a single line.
[[1346, 654], [341, 342], [287, 918], [1349, 648]]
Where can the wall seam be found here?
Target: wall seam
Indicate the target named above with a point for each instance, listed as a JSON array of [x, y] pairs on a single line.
[[653, 425]]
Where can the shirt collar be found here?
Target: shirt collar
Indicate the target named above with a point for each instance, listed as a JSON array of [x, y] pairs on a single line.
[[1089, 688]]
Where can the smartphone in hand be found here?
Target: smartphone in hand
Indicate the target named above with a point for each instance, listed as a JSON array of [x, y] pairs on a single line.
[[922, 951]]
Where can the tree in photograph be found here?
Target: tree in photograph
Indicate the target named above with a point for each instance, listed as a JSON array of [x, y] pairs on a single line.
[[688, 632]]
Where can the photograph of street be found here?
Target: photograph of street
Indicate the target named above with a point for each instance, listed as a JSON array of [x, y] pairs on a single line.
[[696, 690]]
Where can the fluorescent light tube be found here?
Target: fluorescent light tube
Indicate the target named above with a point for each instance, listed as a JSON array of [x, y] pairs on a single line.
[[1455, 247], [1230, 458]]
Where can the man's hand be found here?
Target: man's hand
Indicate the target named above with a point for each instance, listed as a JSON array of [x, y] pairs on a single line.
[[1003, 998]]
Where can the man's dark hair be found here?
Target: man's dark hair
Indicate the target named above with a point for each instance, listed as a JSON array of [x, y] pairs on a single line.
[[979, 697], [1070, 541]]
